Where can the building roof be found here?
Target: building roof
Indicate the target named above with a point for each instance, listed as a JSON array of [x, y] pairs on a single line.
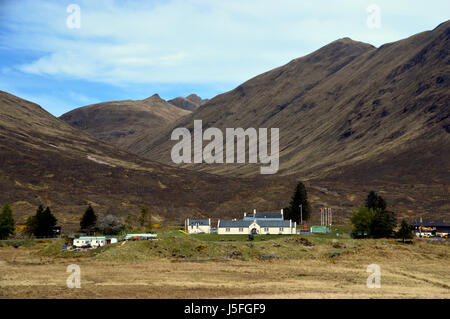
[[274, 223], [235, 223], [263, 215], [200, 222], [429, 222]]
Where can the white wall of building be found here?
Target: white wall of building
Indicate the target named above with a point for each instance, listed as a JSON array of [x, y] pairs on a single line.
[[197, 229], [260, 230]]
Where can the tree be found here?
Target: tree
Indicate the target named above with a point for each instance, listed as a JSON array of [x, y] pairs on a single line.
[[374, 223], [7, 223], [405, 231], [110, 225], [42, 224], [145, 218], [300, 197], [88, 221], [383, 224], [362, 220], [374, 201]]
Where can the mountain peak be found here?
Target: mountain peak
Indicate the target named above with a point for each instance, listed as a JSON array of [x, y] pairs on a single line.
[[154, 97], [190, 102], [345, 43]]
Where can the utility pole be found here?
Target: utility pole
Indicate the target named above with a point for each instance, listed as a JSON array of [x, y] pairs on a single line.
[[331, 217]]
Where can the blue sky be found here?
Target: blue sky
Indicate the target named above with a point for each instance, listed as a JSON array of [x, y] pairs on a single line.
[[133, 49]]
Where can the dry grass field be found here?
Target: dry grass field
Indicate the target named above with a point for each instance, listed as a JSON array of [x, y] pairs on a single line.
[[157, 270]]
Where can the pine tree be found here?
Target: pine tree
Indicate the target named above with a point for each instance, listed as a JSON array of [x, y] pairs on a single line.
[[42, 224], [374, 201], [383, 224], [88, 221], [7, 223], [293, 211]]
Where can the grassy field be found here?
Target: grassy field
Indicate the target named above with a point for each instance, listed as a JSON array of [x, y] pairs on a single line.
[[213, 266]]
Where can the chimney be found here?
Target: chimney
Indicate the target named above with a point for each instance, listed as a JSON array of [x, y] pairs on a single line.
[[282, 216], [245, 214]]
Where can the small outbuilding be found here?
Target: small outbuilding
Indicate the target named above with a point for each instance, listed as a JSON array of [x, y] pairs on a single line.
[[197, 226], [428, 227]]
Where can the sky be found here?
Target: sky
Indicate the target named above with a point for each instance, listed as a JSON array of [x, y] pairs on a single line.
[[67, 54]]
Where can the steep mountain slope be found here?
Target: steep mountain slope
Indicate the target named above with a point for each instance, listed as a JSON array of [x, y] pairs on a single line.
[[119, 122], [351, 117], [43, 160], [345, 104]]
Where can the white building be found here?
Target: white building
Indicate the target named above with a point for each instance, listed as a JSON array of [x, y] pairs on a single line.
[[94, 242], [256, 227], [197, 226], [82, 241]]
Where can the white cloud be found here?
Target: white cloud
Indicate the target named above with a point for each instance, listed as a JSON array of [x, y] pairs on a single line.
[[194, 40]]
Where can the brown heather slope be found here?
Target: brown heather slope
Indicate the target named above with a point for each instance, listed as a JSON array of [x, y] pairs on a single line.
[[43, 160], [120, 122], [352, 117], [341, 105]]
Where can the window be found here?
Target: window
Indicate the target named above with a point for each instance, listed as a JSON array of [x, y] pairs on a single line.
[[266, 229], [241, 229], [281, 228], [227, 230]]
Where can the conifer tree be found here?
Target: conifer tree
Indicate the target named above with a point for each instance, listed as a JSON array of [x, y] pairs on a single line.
[[88, 221], [42, 224], [7, 223], [293, 211]]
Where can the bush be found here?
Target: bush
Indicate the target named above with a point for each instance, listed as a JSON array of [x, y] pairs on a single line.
[[7, 223], [375, 223], [110, 225]]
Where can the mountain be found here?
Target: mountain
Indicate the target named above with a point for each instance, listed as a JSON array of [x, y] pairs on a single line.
[[43, 160], [120, 122], [190, 102], [351, 117]]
